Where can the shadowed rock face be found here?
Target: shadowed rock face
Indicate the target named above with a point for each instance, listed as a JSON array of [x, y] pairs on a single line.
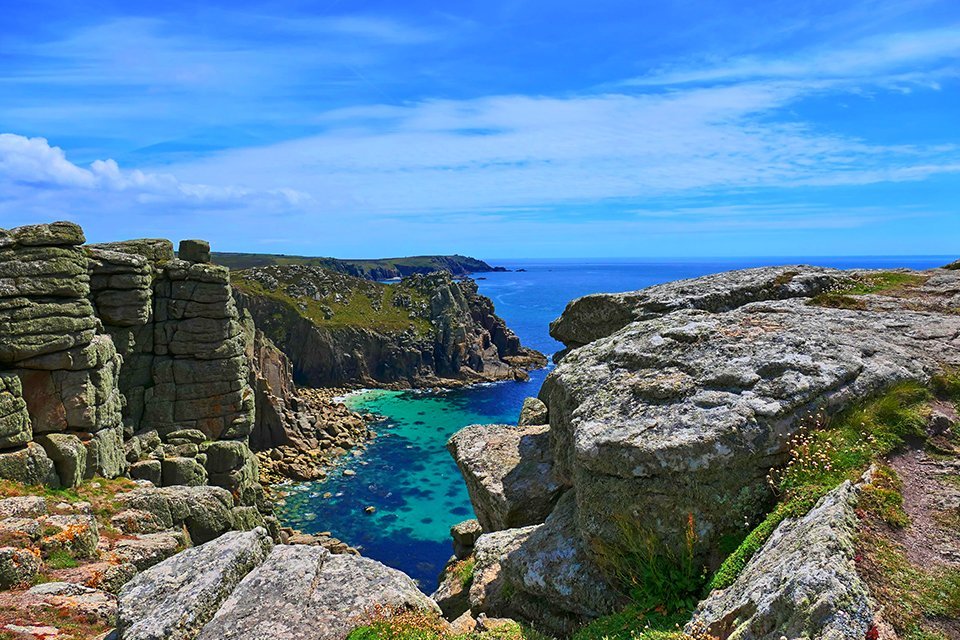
[[673, 404], [427, 330]]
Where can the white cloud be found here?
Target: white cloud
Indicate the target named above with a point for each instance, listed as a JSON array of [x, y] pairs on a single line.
[[32, 169]]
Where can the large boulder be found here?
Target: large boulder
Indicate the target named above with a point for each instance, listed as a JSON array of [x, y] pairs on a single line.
[[68, 454], [306, 592], [204, 511], [679, 417], [173, 600], [552, 566], [802, 583], [28, 464], [534, 411], [508, 472], [488, 591]]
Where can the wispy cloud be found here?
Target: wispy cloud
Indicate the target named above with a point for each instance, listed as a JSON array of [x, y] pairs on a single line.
[[905, 57], [519, 151]]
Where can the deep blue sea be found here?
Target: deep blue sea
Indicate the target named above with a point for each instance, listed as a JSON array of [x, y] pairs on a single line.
[[407, 475]]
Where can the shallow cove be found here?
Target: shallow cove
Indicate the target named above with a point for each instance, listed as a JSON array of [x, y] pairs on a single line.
[[407, 475]]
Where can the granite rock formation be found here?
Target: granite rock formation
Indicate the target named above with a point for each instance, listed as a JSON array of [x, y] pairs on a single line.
[[120, 357], [242, 586], [671, 405]]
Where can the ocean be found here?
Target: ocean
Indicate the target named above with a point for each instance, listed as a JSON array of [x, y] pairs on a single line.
[[406, 473]]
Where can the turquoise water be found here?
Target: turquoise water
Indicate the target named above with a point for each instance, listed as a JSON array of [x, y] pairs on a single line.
[[407, 475]]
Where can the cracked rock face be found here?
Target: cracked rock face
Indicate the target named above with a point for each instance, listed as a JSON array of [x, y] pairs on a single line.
[[241, 586], [682, 414], [802, 583]]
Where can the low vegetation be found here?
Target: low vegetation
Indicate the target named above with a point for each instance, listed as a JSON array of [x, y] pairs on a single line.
[[369, 269], [415, 625], [885, 282], [337, 301]]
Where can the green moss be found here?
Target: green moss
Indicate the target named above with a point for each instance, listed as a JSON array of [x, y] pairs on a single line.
[[634, 623], [465, 572], [60, 559], [412, 625], [888, 282], [837, 301], [736, 561]]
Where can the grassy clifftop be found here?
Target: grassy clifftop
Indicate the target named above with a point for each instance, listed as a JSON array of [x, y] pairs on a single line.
[[331, 299], [375, 269]]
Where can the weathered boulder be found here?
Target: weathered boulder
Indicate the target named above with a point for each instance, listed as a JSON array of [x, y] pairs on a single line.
[[305, 592], [487, 592], [173, 600], [680, 416], [105, 453], [68, 454], [465, 536], [150, 470], [144, 551], [77, 534], [508, 472], [23, 507], [194, 251], [802, 583], [205, 511], [28, 464], [534, 411], [18, 566], [182, 471]]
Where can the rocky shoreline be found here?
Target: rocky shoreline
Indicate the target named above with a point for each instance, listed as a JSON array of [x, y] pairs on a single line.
[[782, 443]]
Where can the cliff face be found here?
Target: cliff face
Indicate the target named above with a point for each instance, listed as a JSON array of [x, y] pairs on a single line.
[[119, 358], [671, 406], [425, 330]]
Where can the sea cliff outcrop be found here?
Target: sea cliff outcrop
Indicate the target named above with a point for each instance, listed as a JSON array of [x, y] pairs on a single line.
[[426, 330], [672, 404]]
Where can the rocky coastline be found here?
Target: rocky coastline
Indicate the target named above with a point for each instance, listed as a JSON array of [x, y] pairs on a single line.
[[756, 454]]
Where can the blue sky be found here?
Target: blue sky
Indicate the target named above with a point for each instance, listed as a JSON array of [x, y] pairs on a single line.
[[496, 128]]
